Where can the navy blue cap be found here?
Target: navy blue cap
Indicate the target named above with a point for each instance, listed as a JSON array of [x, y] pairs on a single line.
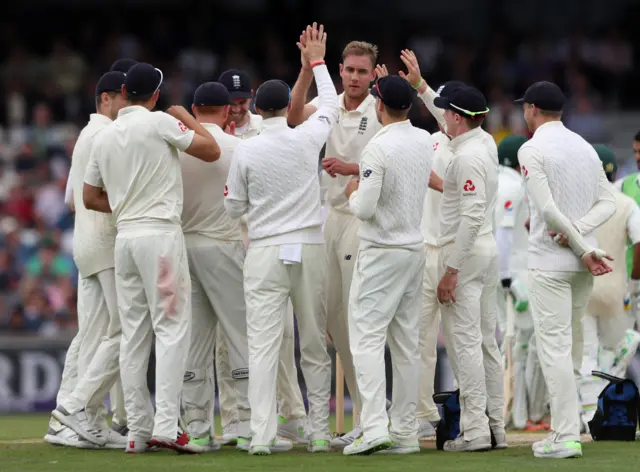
[[394, 91], [465, 101], [544, 95], [112, 81], [142, 81], [445, 89], [123, 64], [237, 82], [272, 95], [211, 94]]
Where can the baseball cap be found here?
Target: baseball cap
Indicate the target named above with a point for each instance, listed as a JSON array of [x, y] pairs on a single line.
[[508, 150], [211, 94], [544, 95], [272, 95], [445, 89], [142, 81], [111, 81], [237, 83], [123, 65], [464, 100], [394, 91], [607, 157]]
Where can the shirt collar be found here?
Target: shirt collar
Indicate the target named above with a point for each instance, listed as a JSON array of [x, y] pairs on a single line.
[[98, 118], [550, 125], [361, 108], [132, 109], [463, 138], [275, 123]]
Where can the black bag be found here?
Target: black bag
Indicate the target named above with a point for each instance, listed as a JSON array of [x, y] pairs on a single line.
[[616, 417], [449, 426]]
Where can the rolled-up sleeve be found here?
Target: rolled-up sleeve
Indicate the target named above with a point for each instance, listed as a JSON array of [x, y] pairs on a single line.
[[364, 201], [438, 113], [236, 192], [92, 175]]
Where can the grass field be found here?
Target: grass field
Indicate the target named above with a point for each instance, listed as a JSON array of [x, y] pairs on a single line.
[[22, 450]]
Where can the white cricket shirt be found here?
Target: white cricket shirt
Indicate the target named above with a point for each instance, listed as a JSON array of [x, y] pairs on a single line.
[[135, 159], [568, 192], [394, 178], [470, 192], [431, 214], [251, 129], [510, 185], [347, 140], [274, 176], [203, 210], [94, 234]]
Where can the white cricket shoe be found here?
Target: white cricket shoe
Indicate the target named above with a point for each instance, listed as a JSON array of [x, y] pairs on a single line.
[[341, 442], [230, 434], [459, 444], [360, 447], [501, 439], [115, 440], [400, 449], [278, 445], [552, 449], [80, 424], [60, 435], [320, 445], [294, 430], [427, 429]]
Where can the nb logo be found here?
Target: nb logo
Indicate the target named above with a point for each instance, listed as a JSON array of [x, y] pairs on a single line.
[[468, 186], [366, 173], [347, 257], [236, 81], [189, 376], [325, 119]]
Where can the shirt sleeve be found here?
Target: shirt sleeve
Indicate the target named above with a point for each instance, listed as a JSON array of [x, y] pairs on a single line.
[[471, 183], [602, 209], [438, 113], [537, 186], [633, 225], [174, 131], [68, 191], [364, 201], [92, 175], [317, 128], [236, 194]]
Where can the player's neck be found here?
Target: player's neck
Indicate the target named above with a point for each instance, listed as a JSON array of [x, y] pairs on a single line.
[[212, 119], [544, 121], [351, 103], [387, 120]]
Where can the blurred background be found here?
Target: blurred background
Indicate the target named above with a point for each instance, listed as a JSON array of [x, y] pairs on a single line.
[[52, 53]]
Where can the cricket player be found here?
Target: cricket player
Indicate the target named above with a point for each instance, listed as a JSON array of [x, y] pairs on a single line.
[[469, 271], [215, 251], [387, 284], [610, 342], [123, 65], [356, 125], [135, 161], [569, 197], [292, 421], [529, 390], [273, 178], [99, 333]]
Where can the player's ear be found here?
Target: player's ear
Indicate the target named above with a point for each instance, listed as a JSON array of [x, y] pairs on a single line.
[[289, 107], [341, 68], [193, 110]]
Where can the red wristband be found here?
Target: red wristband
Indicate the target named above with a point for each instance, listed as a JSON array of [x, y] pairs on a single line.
[[317, 63]]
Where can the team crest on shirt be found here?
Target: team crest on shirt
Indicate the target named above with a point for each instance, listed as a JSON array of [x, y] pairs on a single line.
[[363, 125]]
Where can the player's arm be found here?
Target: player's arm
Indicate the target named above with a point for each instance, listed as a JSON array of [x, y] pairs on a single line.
[[93, 195], [537, 187], [363, 197], [435, 182], [182, 131], [68, 191], [602, 209], [236, 192], [471, 185]]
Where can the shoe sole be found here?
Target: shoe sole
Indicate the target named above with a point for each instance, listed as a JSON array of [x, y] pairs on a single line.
[[373, 450], [400, 451], [58, 442], [172, 446], [75, 426], [477, 449], [541, 455]]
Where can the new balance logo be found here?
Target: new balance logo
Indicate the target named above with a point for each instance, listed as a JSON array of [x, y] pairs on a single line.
[[347, 257], [363, 125], [236, 81]]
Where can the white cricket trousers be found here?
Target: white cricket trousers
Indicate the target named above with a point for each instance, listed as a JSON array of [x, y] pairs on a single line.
[[470, 338], [153, 286], [341, 248], [557, 301], [217, 299], [268, 284], [102, 325], [384, 306], [429, 330]]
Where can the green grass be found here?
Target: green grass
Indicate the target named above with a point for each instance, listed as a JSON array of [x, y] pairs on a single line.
[[41, 457]]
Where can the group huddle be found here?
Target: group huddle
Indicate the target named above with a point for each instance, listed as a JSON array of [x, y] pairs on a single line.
[[209, 231]]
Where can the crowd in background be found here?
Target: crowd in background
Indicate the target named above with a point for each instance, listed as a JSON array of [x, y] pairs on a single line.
[[48, 93]]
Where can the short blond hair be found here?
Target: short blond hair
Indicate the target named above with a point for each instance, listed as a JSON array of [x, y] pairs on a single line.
[[361, 48]]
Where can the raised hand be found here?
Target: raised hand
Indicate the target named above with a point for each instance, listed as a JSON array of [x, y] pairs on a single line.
[[314, 44], [381, 71], [413, 68], [231, 128], [303, 41]]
